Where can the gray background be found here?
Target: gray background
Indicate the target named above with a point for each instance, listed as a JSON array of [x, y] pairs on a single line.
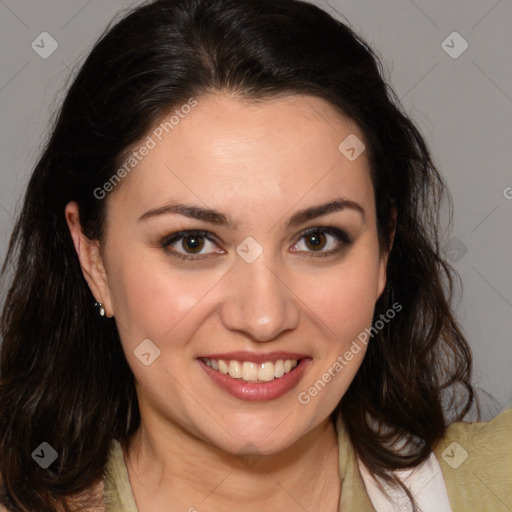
[[462, 105]]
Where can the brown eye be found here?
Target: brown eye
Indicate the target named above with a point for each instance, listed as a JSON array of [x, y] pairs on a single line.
[[315, 241], [193, 243], [190, 245], [323, 241]]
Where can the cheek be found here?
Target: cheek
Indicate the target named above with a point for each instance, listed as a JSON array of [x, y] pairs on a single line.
[[344, 296], [152, 300]]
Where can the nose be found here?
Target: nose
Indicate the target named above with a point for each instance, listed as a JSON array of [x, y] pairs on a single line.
[[259, 302]]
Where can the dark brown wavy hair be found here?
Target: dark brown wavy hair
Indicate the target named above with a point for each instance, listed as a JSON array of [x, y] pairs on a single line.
[[64, 378]]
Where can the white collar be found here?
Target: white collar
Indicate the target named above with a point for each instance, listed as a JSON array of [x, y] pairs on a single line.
[[425, 482]]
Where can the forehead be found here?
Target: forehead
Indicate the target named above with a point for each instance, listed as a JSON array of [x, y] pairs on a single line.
[[228, 152]]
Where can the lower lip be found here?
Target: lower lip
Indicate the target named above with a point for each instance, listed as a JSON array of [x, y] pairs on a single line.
[[257, 391]]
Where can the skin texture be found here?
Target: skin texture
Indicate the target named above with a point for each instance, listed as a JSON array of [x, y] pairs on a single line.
[[258, 164]]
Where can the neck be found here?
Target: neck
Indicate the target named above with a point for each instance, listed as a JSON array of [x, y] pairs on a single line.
[[173, 467]]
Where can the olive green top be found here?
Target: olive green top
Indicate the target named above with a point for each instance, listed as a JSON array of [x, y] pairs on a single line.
[[475, 459]]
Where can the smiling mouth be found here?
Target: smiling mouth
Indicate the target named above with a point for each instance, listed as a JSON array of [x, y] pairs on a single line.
[[252, 372]]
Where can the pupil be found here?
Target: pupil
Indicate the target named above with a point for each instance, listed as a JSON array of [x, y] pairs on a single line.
[[193, 242], [316, 240]]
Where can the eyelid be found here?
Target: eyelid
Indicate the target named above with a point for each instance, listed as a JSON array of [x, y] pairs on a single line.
[[168, 240], [331, 230]]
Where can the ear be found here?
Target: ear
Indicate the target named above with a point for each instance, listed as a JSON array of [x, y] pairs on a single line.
[[90, 258], [385, 255]]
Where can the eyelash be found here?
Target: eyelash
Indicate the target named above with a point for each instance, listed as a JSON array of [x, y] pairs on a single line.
[[344, 238]]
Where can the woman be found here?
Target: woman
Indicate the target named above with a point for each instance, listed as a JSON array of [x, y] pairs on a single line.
[[228, 287]]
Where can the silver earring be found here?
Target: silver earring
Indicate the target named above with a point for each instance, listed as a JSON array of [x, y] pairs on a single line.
[[101, 309]]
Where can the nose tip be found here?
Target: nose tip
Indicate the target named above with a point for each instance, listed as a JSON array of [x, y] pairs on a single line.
[[260, 304], [269, 327]]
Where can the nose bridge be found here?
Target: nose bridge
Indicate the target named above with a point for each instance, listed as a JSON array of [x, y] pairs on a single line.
[[261, 305]]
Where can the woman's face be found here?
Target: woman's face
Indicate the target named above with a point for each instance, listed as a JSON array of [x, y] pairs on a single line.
[[254, 287]]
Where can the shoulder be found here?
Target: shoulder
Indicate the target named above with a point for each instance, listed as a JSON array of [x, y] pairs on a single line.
[[493, 437], [496, 426], [476, 461]]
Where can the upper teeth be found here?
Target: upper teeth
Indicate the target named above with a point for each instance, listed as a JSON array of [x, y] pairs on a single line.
[[252, 372]]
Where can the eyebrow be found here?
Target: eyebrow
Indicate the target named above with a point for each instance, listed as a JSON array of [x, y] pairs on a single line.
[[214, 217]]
